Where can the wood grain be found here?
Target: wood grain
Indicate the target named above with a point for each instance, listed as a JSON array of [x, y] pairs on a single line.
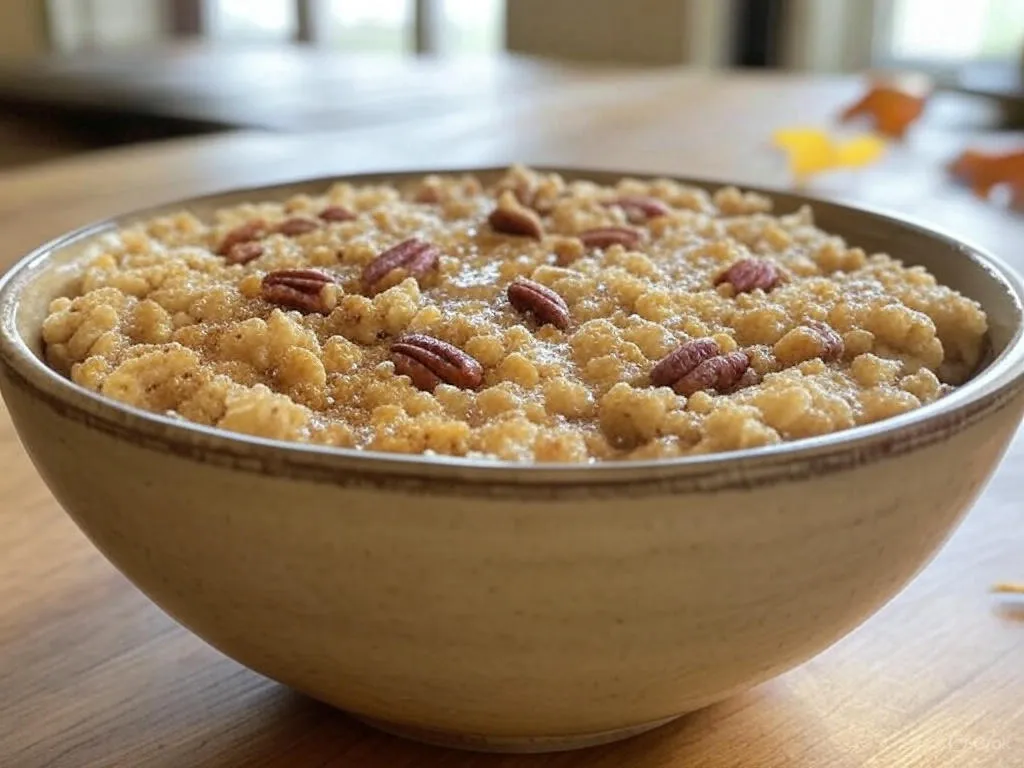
[[91, 674]]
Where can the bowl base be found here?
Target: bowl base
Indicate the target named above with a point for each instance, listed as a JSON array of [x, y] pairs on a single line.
[[512, 744]]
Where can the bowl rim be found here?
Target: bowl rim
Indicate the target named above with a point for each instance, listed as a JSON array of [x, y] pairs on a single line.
[[990, 390]]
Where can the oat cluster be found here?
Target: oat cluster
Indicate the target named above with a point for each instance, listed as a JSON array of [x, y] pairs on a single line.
[[537, 320]]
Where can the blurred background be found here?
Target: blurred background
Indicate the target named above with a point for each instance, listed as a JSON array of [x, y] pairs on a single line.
[[85, 74]]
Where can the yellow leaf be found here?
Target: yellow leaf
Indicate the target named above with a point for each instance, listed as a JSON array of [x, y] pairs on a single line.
[[812, 150], [860, 151]]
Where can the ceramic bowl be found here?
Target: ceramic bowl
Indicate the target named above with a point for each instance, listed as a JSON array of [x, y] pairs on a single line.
[[505, 606]]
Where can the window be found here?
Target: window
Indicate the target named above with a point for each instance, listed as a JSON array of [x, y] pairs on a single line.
[[77, 25], [251, 19], [369, 25], [472, 27], [952, 31], [377, 26]]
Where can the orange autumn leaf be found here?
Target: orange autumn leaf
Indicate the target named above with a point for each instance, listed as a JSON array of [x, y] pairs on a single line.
[[891, 110], [985, 171]]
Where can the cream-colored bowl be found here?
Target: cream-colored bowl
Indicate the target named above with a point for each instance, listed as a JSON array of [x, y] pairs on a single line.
[[517, 607]]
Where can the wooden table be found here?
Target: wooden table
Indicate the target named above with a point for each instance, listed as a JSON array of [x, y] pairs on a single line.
[[57, 105], [91, 674], [274, 86]]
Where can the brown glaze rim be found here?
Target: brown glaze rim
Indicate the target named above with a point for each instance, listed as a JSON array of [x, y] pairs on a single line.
[[992, 391]]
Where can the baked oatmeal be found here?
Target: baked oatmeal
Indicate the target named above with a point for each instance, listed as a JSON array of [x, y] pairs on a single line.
[[533, 320]]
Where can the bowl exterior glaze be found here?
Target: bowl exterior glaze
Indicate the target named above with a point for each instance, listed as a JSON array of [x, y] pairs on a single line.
[[508, 619], [508, 607]]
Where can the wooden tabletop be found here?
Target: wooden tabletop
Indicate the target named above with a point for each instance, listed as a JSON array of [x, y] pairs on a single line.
[[274, 86], [92, 674]]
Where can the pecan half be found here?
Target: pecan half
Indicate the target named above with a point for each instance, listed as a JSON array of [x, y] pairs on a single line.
[[297, 225], [684, 359], [832, 344], [337, 213], [244, 233], [529, 297], [721, 373], [308, 290], [605, 237], [639, 208], [430, 362], [511, 217], [243, 253], [749, 274], [415, 256]]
